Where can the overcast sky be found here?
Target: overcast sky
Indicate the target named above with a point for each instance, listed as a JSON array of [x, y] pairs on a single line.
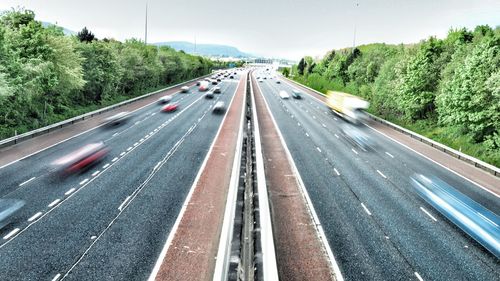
[[278, 28]]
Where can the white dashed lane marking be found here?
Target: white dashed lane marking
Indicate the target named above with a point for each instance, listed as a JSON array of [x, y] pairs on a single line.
[[366, 209]]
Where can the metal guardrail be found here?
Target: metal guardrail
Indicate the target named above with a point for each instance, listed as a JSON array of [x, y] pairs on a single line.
[[50, 128], [446, 149]]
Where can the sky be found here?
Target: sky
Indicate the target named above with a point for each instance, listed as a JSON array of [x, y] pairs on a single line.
[[273, 28]]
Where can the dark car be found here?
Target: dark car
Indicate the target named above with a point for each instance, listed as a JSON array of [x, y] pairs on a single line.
[[209, 95], [214, 82], [296, 94], [217, 90], [231, 77]]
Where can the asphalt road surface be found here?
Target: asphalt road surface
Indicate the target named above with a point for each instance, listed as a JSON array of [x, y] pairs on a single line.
[[109, 222], [376, 224]]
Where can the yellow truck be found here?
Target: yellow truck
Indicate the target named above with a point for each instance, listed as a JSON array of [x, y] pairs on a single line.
[[350, 107]]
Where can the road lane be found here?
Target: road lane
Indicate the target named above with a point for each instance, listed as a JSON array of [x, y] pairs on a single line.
[[378, 231], [80, 222]]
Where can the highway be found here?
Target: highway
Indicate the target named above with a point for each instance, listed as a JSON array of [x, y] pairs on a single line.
[[111, 221], [377, 226]]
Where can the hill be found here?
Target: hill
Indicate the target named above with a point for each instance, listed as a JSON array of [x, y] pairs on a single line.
[[205, 49]]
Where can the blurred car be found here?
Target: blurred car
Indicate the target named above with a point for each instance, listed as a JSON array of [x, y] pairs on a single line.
[[217, 90], [82, 158], [170, 107], [218, 80], [8, 208], [284, 95], [356, 134], [203, 86], [260, 80], [118, 118], [198, 83], [473, 218], [296, 94], [265, 77], [231, 76], [278, 82], [219, 107], [214, 82], [184, 89], [209, 95], [164, 99]]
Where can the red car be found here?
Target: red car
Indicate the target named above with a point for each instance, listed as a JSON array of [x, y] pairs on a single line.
[[82, 158], [170, 107]]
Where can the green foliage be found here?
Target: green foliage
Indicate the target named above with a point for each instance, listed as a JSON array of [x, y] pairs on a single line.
[[285, 71], [450, 86], [85, 35], [301, 66], [47, 77]]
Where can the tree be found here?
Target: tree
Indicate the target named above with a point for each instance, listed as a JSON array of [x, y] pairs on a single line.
[[286, 71], [86, 36], [301, 66], [469, 99]]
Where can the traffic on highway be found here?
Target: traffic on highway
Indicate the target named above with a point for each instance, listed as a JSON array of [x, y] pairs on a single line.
[[250, 141]]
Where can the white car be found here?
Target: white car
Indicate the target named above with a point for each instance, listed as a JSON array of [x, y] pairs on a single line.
[[284, 95], [219, 107], [184, 89], [164, 99], [118, 118]]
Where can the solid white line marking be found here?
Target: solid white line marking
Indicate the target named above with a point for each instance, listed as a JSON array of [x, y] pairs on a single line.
[[354, 150], [336, 136], [95, 173], [123, 204], [12, 233], [427, 213], [380, 173], [35, 216], [337, 172], [105, 166], [389, 154], [123, 153], [135, 144], [69, 191], [115, 134], [141, 140], [318, 149], [114, 159], [56, 277], [25, 182], [418, 276], [84, 181], [157, 165], [366, 209], [129, 148], [137, 122], [54, 203]]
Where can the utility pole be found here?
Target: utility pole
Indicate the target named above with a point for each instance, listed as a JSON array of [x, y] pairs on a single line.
[[146, 26], [354, 36]]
